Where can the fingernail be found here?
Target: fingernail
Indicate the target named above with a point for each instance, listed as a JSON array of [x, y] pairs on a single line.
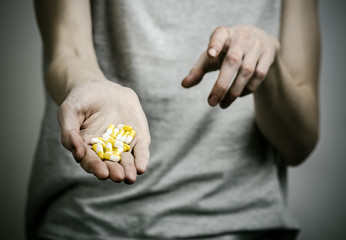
[[213, 100], [212, 52]]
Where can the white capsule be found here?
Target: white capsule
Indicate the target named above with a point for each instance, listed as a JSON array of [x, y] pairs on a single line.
[[120, 126]]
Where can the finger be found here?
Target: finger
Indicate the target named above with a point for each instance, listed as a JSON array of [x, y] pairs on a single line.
[[197, 72], [91, 163], [70, 124], [245, 73], [116, 171], [261, 71], [127, 161], [142, 155], [208, 61], [245, 92], [218, 40], [229, 67]]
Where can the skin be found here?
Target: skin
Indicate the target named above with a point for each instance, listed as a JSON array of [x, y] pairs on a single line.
[[281, 73], [88, 101]]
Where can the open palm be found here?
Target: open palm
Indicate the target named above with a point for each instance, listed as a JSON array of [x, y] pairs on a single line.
[[87, 111]]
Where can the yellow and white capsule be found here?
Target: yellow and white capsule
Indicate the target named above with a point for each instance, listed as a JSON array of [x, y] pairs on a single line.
[[98, 140], [109, 147], [112, 157], [120, 134], [127, 147], [118, 144], [107, 138], [110, 129], [125, 127], [114, 133], [130, 136], [98, 149], [120, 126], [124, 136], [118, 151]]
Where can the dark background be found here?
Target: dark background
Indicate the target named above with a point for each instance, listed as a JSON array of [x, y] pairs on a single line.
[[317, 191]]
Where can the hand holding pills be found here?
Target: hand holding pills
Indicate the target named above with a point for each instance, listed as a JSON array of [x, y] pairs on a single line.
[[88, 109], [244, 53]]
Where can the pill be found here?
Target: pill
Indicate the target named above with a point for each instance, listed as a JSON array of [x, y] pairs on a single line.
[[120, 134], [130, 136], [109, 147], [114, 133], [108, 138], [127, 128], [113, 142], [110, 129], [123, 137], [98, 140], [118, 151], [118, 144], [112, 157], [98, 149], [127, 147]]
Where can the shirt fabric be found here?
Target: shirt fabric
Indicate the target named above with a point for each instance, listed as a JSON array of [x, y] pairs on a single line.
[[211, 175]]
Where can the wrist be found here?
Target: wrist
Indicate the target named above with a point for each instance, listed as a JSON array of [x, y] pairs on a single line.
[[64, 73]]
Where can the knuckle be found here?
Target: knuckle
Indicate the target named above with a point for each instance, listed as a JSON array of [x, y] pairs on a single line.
[[256, 43], [233, 58], [251, 86], [131, 93], [221, 86], [261, 74], [247, 70], [221, 28], [244, 34]]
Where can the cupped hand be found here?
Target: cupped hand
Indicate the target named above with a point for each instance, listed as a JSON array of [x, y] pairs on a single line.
[[242, 53], [86, 113]]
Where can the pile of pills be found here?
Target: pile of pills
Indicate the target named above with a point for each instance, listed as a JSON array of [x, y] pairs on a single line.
[[113, 142]]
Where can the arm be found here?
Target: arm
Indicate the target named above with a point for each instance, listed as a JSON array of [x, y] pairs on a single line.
[[65, 28], [287, 110], [75, 81], [282, 74]]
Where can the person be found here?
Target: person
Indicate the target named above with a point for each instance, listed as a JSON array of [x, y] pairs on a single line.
[[217, 167]]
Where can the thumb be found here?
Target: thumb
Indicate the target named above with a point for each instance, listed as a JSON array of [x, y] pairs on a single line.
[[70, 122]]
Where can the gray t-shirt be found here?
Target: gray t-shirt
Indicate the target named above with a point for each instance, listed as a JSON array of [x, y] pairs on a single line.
[[211, 175]]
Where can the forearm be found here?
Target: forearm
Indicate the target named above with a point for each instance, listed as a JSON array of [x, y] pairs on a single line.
[[287, 108], [287, 114], [66, 32]]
